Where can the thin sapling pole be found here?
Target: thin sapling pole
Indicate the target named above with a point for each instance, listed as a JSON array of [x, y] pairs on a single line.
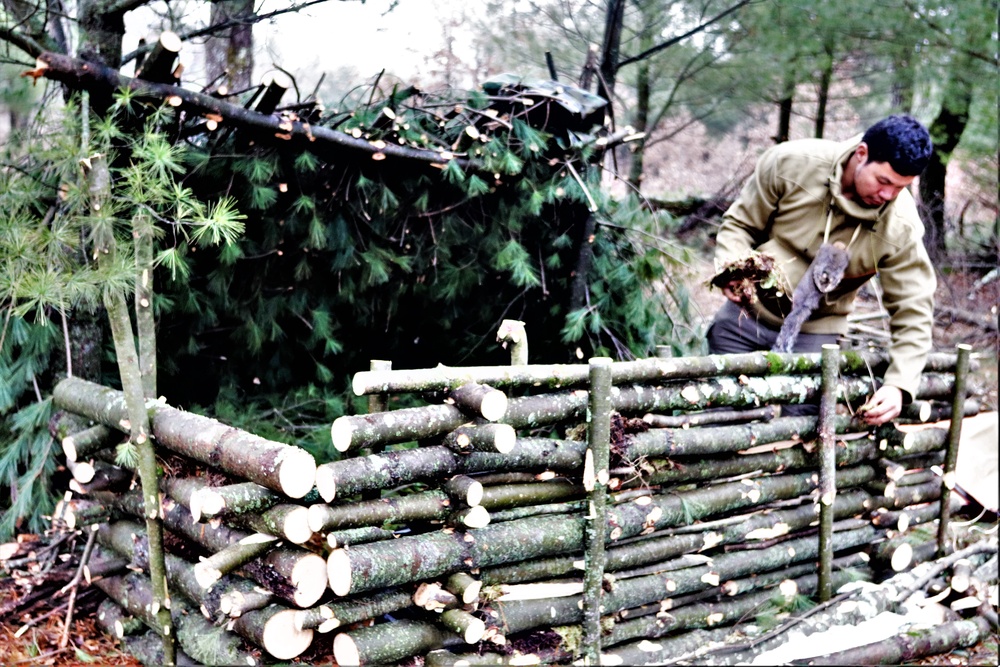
[[595, 481], [954, 434], [827, 468]]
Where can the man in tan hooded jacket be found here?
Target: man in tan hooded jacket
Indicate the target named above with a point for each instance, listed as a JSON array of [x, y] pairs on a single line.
[[804, 193]]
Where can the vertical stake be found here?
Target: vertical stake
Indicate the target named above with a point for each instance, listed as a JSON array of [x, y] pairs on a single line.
[[513, 332], [595, 480], [827, 466], [954, 434]]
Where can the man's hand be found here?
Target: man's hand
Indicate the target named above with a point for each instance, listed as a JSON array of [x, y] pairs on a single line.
[[885, 405], [734, 291]]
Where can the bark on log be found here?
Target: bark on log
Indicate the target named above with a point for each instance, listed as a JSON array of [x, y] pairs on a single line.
[[443, 378], [78, 446], [916, 643], [277, 466], [432, 505], [497, 498], [388, 643], [464, 491], [464, 624], [116, 622], [339, 539], [482, 438], [684, 646], [147, 648], [432, 596], [910, 516], [350, 476], [713, 417], [464, 586]]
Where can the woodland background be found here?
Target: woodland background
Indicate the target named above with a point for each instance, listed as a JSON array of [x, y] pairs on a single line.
[[279, 272]]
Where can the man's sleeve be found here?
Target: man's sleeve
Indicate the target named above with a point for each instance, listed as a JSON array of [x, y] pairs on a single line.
[[908, 284], [744, 224]]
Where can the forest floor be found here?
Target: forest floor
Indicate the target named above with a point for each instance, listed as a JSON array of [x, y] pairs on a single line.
[[33, 634]]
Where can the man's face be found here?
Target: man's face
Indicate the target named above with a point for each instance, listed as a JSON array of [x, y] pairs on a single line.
[[875, 183]]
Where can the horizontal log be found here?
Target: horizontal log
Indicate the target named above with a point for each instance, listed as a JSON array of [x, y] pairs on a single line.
[[275, 465], [517, 616], [414, 558], [443, 378], [348, 611], [388, 643], [914, 644], [479, 400], [713, 417], [82, 444], [388, 470], [407, 424]]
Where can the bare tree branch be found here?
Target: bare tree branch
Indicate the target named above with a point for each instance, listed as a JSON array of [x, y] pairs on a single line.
[[219, 27], [680, 38]]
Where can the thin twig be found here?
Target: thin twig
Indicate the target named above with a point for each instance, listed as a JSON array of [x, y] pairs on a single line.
[[73, 584]]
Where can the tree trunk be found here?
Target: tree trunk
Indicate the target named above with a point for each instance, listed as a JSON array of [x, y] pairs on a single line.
[[823, 90], [785, 110], [614, 18], [229, 53]]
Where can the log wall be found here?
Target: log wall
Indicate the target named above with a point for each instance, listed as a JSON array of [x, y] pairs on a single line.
[[519, 514]]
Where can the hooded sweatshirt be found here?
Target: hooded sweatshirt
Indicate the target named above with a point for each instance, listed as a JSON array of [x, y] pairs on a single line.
[[786, 209]]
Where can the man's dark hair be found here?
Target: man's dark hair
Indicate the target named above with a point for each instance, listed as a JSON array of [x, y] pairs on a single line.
[[901, 141]]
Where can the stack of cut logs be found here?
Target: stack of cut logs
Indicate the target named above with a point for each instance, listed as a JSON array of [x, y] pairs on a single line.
[[456, 530]]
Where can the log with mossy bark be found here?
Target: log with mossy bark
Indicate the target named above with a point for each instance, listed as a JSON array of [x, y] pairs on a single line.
[[479, 401], [443, 378], [82, 444], [348, 611], [520, 615], [388, 643], [682, 470], [293, 574], [353, 432], [433, 505], [116, 622], [350, 476], [722, 612], [147, 648], [277, 466], [713, 417], [912, 515], [380, 564], [209, 570]]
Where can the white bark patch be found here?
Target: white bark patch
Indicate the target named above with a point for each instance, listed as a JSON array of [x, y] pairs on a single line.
[[712, 619], [647, 646], [643, 500], [690, 394], [710, 578], [588, 470]]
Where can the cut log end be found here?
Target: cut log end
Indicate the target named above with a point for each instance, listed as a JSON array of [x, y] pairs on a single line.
[[83, 472], [209, 503], [505, 438], [206, 575], [494, 406], [297, 474], [345, 650], [309, 576], [170, 41], [295, 526], [342, 433], [282, 639], [317, 517], [476, 517], [338, 572], [901, 557], [474, 494]]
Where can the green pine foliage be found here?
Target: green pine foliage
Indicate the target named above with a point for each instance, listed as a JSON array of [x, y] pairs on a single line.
[[282, 269]]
